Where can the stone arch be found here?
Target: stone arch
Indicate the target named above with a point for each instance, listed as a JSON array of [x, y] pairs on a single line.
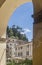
[[6, 11]]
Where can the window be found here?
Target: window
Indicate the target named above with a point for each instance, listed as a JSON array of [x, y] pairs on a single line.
[[21, 47], [27, 46], [27, 53], [20, 54], [7, 46]]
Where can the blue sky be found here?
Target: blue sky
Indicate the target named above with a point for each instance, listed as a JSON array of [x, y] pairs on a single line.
[[22, 17]]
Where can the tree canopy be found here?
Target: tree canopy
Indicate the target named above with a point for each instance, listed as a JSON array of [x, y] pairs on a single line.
[[15, 31]]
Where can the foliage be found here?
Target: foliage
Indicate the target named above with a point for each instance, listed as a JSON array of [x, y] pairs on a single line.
[[9, 32], [24, 62], [15, 31]]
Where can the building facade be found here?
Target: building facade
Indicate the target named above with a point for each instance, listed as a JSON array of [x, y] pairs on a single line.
[[19, 49]]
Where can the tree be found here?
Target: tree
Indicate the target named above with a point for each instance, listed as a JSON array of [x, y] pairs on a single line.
[[15, 31], [9, 32]]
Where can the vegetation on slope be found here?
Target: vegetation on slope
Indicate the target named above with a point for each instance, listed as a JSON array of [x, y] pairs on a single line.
[[15, 31]]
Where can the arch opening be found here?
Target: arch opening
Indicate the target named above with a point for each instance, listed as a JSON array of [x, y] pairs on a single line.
[[22, 19], [6, 11]]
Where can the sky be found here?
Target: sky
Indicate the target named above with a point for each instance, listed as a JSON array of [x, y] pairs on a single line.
[[22, 17]]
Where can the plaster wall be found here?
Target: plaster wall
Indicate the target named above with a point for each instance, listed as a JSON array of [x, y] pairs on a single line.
[[37, 44], [3, 53]]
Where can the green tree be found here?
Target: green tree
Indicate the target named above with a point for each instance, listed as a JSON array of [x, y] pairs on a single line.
[[15, 31], [9, 32]]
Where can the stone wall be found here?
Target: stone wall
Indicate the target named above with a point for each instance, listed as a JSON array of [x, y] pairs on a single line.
[[37, 44]]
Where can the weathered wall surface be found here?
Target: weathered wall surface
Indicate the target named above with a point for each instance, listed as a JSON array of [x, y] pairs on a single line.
[[37, 33], [2, 53], [37, 50], [37, 5]]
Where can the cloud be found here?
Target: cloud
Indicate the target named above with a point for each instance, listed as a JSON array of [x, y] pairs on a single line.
[[26, 31], [22, 33]]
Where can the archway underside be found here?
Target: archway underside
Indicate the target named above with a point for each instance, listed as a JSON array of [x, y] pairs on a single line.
[[6, 11]]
